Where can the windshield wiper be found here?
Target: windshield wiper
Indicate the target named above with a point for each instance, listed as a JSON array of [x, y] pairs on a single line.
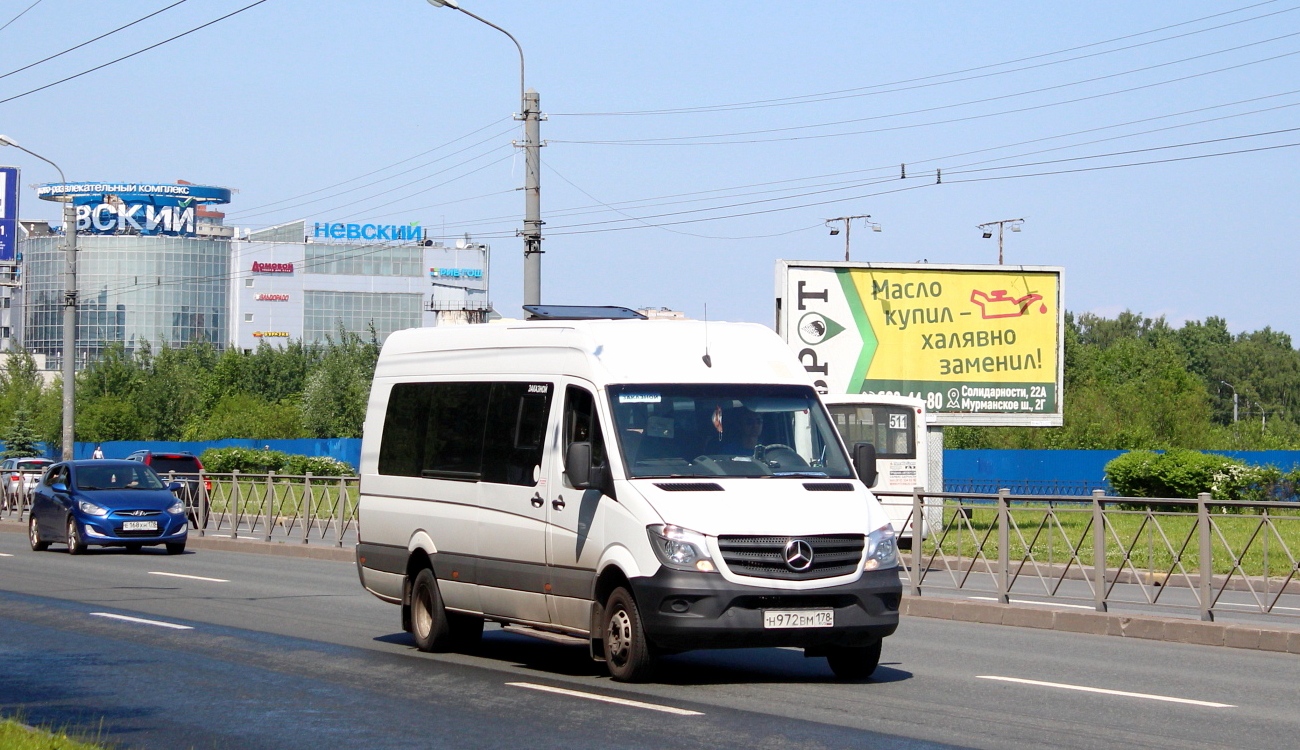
[[801, 474]]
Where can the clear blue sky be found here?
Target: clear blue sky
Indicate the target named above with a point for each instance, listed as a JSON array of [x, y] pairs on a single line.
[[292, 97]]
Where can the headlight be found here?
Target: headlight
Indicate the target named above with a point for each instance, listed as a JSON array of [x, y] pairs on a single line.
[[91, 509], [177, 508], [681, 549], [882, 549]]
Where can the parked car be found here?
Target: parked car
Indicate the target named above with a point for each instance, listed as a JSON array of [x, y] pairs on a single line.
[[186, 468], [18, 476], [106, 503]]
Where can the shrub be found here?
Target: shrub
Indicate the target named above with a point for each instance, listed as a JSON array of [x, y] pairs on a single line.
[[317, 466], [243, 460], [1180, 473]]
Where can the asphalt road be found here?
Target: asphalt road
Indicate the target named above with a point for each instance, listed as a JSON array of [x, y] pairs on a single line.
[[288, 653]]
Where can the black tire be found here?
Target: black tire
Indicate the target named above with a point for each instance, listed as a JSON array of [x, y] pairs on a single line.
[[429, 622], [465, 631], [76, 545], [134, 548], [854, 662], [627, 653], [176, 549], [34, 536]]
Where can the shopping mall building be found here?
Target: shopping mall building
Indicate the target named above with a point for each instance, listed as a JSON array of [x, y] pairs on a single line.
[[156, 263]]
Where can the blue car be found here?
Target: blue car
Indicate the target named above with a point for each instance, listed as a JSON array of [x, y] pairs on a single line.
[[108, 504]]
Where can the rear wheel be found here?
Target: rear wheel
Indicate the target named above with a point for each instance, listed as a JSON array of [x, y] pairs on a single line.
[[34, 536], [75, 544], [627, 653], [854, 662], [429, 622], [175, 549]]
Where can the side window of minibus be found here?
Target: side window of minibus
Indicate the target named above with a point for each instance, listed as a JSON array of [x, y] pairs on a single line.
[[434, 430], [516, 432], [582, 423]]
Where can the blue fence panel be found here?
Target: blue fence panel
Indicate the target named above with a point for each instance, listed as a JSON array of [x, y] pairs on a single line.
[[1058, 472]]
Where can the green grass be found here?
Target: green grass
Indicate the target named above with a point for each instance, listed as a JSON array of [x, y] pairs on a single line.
[[287, 498], [1152, 541], [15, 736]]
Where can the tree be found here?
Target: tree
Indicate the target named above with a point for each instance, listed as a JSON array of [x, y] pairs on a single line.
[[338, 389], [20, 440]]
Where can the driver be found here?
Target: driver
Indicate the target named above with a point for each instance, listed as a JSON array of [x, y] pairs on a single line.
[[739, 434]]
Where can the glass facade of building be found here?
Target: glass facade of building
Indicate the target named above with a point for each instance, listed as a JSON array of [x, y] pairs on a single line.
[[353, 260], [324, 311], [132, 289]]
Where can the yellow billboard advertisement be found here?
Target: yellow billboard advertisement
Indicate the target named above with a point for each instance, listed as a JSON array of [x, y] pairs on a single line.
[[979, 344]]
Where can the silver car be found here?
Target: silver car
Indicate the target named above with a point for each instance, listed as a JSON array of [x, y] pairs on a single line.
[[18, 477]]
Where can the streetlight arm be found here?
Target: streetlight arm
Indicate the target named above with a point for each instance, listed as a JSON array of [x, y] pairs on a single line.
[[507, 33], [5, 141]]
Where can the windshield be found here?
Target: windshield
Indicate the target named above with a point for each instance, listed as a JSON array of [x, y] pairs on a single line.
[[118, 477], [745, 430]]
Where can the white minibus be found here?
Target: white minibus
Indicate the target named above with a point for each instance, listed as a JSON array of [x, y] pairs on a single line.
[[650, 486]]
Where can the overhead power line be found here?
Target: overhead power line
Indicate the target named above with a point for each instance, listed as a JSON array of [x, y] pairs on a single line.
[[694, 140], [846, 93], [22, 13], [133, 54], [92, 41]]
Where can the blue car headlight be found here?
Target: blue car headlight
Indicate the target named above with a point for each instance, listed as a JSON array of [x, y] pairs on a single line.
[[882, 549], [91, 509], [177, 508]]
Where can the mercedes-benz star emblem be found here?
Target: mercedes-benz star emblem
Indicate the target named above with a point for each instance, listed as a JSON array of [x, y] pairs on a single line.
[[798, 555]]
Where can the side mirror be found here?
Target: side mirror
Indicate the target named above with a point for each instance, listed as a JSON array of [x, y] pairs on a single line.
[[59, 487], [577, 465], [864, 462], [175, 486]]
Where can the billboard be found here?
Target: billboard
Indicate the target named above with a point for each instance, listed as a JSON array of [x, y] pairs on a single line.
[[144, 208], [981, 345], [8, 213]]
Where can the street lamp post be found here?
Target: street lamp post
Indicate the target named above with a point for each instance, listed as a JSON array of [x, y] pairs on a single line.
[[69, 305], [848, 226], [530, 113], [1234, 400]]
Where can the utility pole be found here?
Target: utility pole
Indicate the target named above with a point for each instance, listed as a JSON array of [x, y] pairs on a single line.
[[848, 226], [1234, 400], [531, 114], [987, 229], [69, 305]]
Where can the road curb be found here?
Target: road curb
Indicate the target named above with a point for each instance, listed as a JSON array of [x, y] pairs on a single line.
[[1145, 627], [254, 546]]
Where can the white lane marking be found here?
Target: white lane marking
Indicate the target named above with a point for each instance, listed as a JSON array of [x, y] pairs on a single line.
[[1026, 601], [1103, 691], [606, 699], [142, 621], [5, 554], [182, 575]]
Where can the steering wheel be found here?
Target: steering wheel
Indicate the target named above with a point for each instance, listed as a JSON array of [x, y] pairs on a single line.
[[781, 456]]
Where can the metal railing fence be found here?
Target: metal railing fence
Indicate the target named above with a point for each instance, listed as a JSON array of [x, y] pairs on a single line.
[[270, 507], [1202, 555]]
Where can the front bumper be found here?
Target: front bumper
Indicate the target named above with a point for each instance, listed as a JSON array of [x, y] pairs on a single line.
[[107, 531], [683, 610]]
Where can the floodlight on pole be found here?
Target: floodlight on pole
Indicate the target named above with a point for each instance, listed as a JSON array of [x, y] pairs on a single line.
[[530, 113], [987, 229], [69, 305], [848, 226]]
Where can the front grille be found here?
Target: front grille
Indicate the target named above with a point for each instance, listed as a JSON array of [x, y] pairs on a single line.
[[764, 556], [133, 514]]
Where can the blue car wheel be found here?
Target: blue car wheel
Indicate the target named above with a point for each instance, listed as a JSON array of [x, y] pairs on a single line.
[[34, 536]]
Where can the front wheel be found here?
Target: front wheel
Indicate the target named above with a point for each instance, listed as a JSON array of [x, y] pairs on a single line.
[[627, 653], [34, 536], [854, 662], [75, 545]]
